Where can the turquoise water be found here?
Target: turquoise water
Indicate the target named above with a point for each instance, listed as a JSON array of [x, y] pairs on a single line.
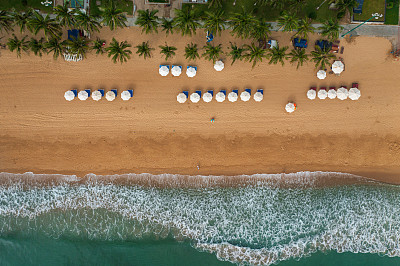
[[290, 222]]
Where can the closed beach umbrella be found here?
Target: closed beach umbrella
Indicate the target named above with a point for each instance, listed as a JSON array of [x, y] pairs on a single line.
[[125, 95], [207, 97], [176, 71], [83, 95], [321, 74], [69, 95], [191, 72], [181, 98], [232, 96], [220, 97], [110, 96], [322, 94], [219, 65], [354, 94], [96, 95], [342, 93], [337, 67], [290, 107], [245, 96], [332, 94], [311, 94], [258, 96], [163, 70], [195, 97]]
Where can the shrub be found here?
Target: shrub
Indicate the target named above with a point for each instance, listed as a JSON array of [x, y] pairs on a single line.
[[341, 14], [312, 15], [24, 2]]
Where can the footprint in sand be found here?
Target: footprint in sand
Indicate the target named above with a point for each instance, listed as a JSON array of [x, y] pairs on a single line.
[[394, 146]]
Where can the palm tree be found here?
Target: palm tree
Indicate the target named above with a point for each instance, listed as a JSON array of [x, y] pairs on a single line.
[[186, 20], [255, 54], [5, 21], [191, 52], [119, 51], [37, 46], [144, 50], [79, 46], [277, 4], [212, 52], [214, 21], [304, 28], [65, 16], [22, 19], [241, 23], [260, 29], [215, 3], [15, 44], [322, 57], [331, 29], [299, 56], [147, 20], [287, 22], [98, 46], [49, 25], [236, 53], [87, 22], [56, 46], [168, 51], [345, 5], [277, 54], [167, 25], [114, 17]]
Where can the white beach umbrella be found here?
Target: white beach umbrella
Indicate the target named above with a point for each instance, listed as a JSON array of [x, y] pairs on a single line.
[[258, 96], [110, 96], [342, 93], [290, 107], [232, 96], [220, 97], [311, 94], [181, 98], [195, 97], [245, 96], [322, 94], [125, 95], [191, 72], [176, 71], [332, 94], [96, 95], [354, 94], [321, 74], [163, 70], [207, 97], [219, 65], [69, 95], [83, 95], [337, 67]]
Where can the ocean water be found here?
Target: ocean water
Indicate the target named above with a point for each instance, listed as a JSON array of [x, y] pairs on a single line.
[[295, 219]]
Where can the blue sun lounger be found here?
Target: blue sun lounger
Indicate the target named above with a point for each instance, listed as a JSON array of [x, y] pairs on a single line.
[[88, 92], [115, 91], [248, 90], [192, 66], [75, 92], [199, 92], [236, 91], [261, 90], [176, 66], [211, 92], [223, 91], [130, 92], [186, 93], [101, 91]]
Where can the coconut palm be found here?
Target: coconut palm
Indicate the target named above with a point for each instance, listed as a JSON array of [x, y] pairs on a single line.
[[236, 53], [212, 52], [321, 57], [191, 52], [119, 51], [260, 30], [345, 5], [167, 25], [113, 17], [287, 22], [167, 51], [304, 28], [144, 50], [78, 46], [37, 46], [18, 45], [275, 4], [87, 22], [56, 46], [241, 24], [98, 46], [214, 21], [186, 20], [215, 3], [299, 56], [5, 21], [22, 19], [254, 54], [277, 54], [50, 26], [65, 16], [147, 20], [331, 29]]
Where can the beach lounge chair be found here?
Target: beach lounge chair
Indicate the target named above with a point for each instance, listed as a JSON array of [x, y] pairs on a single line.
[[354, 85], [88, 91], [211, 92], [115, 91], [75, 92], [199, 92], [101, 91], [313, 88], [248, 90], [186, 93]]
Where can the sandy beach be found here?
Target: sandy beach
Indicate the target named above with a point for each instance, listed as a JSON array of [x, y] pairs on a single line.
[[152, 133]]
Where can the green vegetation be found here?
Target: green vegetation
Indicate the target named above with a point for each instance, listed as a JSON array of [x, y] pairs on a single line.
[[24, 5], [370, 7], [159, 1], [119, 51], [167, 51], [126, 6], [392, 14]]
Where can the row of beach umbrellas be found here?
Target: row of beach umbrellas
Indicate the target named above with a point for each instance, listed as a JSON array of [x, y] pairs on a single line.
[[97, 95], [176, 71], [341, 93], [220, 97], [337, 68]]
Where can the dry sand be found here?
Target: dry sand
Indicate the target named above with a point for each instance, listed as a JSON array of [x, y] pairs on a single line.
[[152, 133]]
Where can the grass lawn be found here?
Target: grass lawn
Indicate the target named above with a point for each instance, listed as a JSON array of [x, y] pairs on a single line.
[[124, 5], [370, 7], [271, 14], [19, 5], [392, 14]]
